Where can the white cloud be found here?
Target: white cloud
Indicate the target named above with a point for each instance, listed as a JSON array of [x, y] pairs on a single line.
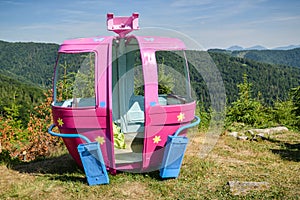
[[65, 11], [276, 19], [11, 2], [190, 3]]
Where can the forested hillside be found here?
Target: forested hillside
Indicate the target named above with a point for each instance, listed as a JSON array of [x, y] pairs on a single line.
[[272, 81], [29, 62], [32, 65], [18, 97], [26, 71], [282, 57]]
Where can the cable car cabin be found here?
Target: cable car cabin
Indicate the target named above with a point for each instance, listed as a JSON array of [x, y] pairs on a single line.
[[128, 93]]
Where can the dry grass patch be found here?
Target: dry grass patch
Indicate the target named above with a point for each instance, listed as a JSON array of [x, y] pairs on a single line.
[[275, 161]]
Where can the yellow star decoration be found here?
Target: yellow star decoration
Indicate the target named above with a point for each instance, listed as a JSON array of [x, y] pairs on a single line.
[[180, 117], [100, 140], [60, 122], [156, 139]]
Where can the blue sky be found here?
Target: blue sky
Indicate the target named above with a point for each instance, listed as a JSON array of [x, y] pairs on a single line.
[[213, 24]]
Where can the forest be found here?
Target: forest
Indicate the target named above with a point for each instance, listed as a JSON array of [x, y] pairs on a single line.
[[272, 81], [258, 94], [281, 57], [27, 71], [262, 90], [28, 62]]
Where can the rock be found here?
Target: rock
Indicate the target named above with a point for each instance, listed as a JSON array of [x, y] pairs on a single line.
[[257, 134], [242, 137], [233, 134], [261, 135], [269, 131], [251, 132], [242, 188]]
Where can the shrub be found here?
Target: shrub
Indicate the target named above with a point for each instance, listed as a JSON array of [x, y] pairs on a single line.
[[295, 98], [245, 109], [282, 113], [31, 142]]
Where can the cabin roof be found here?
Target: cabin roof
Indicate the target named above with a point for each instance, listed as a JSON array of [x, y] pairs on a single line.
[[145, 42]]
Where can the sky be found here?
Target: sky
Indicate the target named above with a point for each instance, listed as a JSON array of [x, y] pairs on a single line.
[[211, 23]]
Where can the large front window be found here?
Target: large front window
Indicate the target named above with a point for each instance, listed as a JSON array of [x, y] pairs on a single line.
[[173, 78], [75, 80]]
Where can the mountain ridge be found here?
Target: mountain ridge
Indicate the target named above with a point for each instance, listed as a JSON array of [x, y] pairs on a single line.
[[28, 61], [33, 63], [260, 47], [289, 57]]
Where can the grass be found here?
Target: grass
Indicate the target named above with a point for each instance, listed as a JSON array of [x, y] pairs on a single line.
[[275, 161]]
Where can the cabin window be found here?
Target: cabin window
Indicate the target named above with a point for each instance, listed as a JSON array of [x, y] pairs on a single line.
[[75, 80], [127, 86], [173, 78]]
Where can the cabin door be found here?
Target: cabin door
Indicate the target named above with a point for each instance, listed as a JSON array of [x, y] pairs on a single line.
[[127, 100]]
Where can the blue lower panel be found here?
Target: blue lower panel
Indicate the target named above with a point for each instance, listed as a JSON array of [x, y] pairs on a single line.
[[93, 163], [173, 156]]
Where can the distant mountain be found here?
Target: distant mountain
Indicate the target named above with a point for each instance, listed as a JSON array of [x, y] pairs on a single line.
[[235, 48], [287, 47], [239, 48], [279, 57], [289, 57], [257, 47]]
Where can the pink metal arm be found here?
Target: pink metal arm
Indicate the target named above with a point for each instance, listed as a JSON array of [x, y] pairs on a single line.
[[122, 25]]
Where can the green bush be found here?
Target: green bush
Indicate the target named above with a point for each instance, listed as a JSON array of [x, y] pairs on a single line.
[[204, 116], [248, 112], [295, 98], [282, 113], [246, 109]]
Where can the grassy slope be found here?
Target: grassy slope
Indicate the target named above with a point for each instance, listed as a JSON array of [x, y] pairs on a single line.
[[275, 161]]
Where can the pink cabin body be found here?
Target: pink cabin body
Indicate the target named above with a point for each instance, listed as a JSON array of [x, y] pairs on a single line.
[[96, 122], [111, 82]]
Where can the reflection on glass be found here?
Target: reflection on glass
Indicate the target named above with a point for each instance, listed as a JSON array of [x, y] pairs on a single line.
[[75, 80]]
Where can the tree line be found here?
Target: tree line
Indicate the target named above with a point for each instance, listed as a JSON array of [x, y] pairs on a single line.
[[27, 70], [281, 57]]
